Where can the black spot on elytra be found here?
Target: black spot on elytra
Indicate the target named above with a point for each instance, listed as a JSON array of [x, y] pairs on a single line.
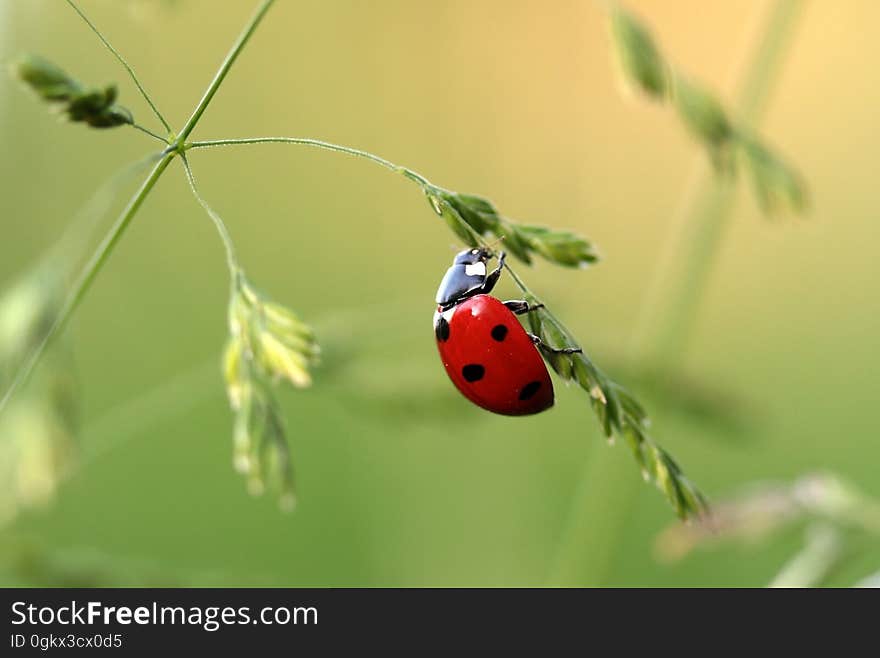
[[441, 329], [499, 332], [473, 372], [529, 390]]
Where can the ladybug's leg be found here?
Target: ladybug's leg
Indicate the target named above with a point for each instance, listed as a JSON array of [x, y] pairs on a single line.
[[521, 306], [492, 277], [556, 350]]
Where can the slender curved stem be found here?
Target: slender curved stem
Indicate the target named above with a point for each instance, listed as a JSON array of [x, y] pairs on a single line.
[[70, 247], [231, 260], [231, 56], [315, 143], [149, 132], [87, 277], [358, 153], [125, 65], [814, 563]]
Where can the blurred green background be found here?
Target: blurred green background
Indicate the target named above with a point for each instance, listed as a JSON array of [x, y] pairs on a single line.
[[401, 481]]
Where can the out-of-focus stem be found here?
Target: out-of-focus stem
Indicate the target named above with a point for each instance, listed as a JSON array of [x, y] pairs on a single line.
[[87, 277], [683, 272], [812, 566], [586, 549]]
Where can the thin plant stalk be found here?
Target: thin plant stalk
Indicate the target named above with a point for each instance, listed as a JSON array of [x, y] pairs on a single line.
[[105, 248], [316, 143], [231, 56], [596, 509], [87, 277], [149, 132], [78, 234], [219, 224], [328, 146], [127, 67], [684, 270], [812, 566], [589, 529]]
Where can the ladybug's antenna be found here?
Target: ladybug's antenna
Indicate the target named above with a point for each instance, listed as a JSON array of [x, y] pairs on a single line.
[[491, 246]]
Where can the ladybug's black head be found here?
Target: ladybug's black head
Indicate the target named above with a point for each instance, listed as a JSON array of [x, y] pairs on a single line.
[[472, 256], [467, 277]]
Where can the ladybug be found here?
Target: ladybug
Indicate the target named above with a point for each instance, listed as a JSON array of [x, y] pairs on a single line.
[[486, 352]]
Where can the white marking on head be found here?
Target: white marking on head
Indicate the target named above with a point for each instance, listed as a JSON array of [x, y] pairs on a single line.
[[475, 269]]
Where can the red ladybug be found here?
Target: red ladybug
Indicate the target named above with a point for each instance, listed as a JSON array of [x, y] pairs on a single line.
[[486, 352]]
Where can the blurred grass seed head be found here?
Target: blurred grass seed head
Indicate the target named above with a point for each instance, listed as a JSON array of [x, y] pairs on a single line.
[[267, 344], [760, 511], [37, 428], [96, 107], [778, 187]]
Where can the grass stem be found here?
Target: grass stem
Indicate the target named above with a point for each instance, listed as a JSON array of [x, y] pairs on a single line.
[[683, 271], [149, 132], [822, 553], [87, 277], [225, 66], [315, 143], [231, 260], [125, 65], [707, 206]]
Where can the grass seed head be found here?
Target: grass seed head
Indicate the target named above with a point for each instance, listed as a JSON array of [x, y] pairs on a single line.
[[96, 107], [267, 343]]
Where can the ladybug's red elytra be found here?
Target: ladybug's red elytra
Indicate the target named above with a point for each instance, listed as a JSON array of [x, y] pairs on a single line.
[[486, 351]]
